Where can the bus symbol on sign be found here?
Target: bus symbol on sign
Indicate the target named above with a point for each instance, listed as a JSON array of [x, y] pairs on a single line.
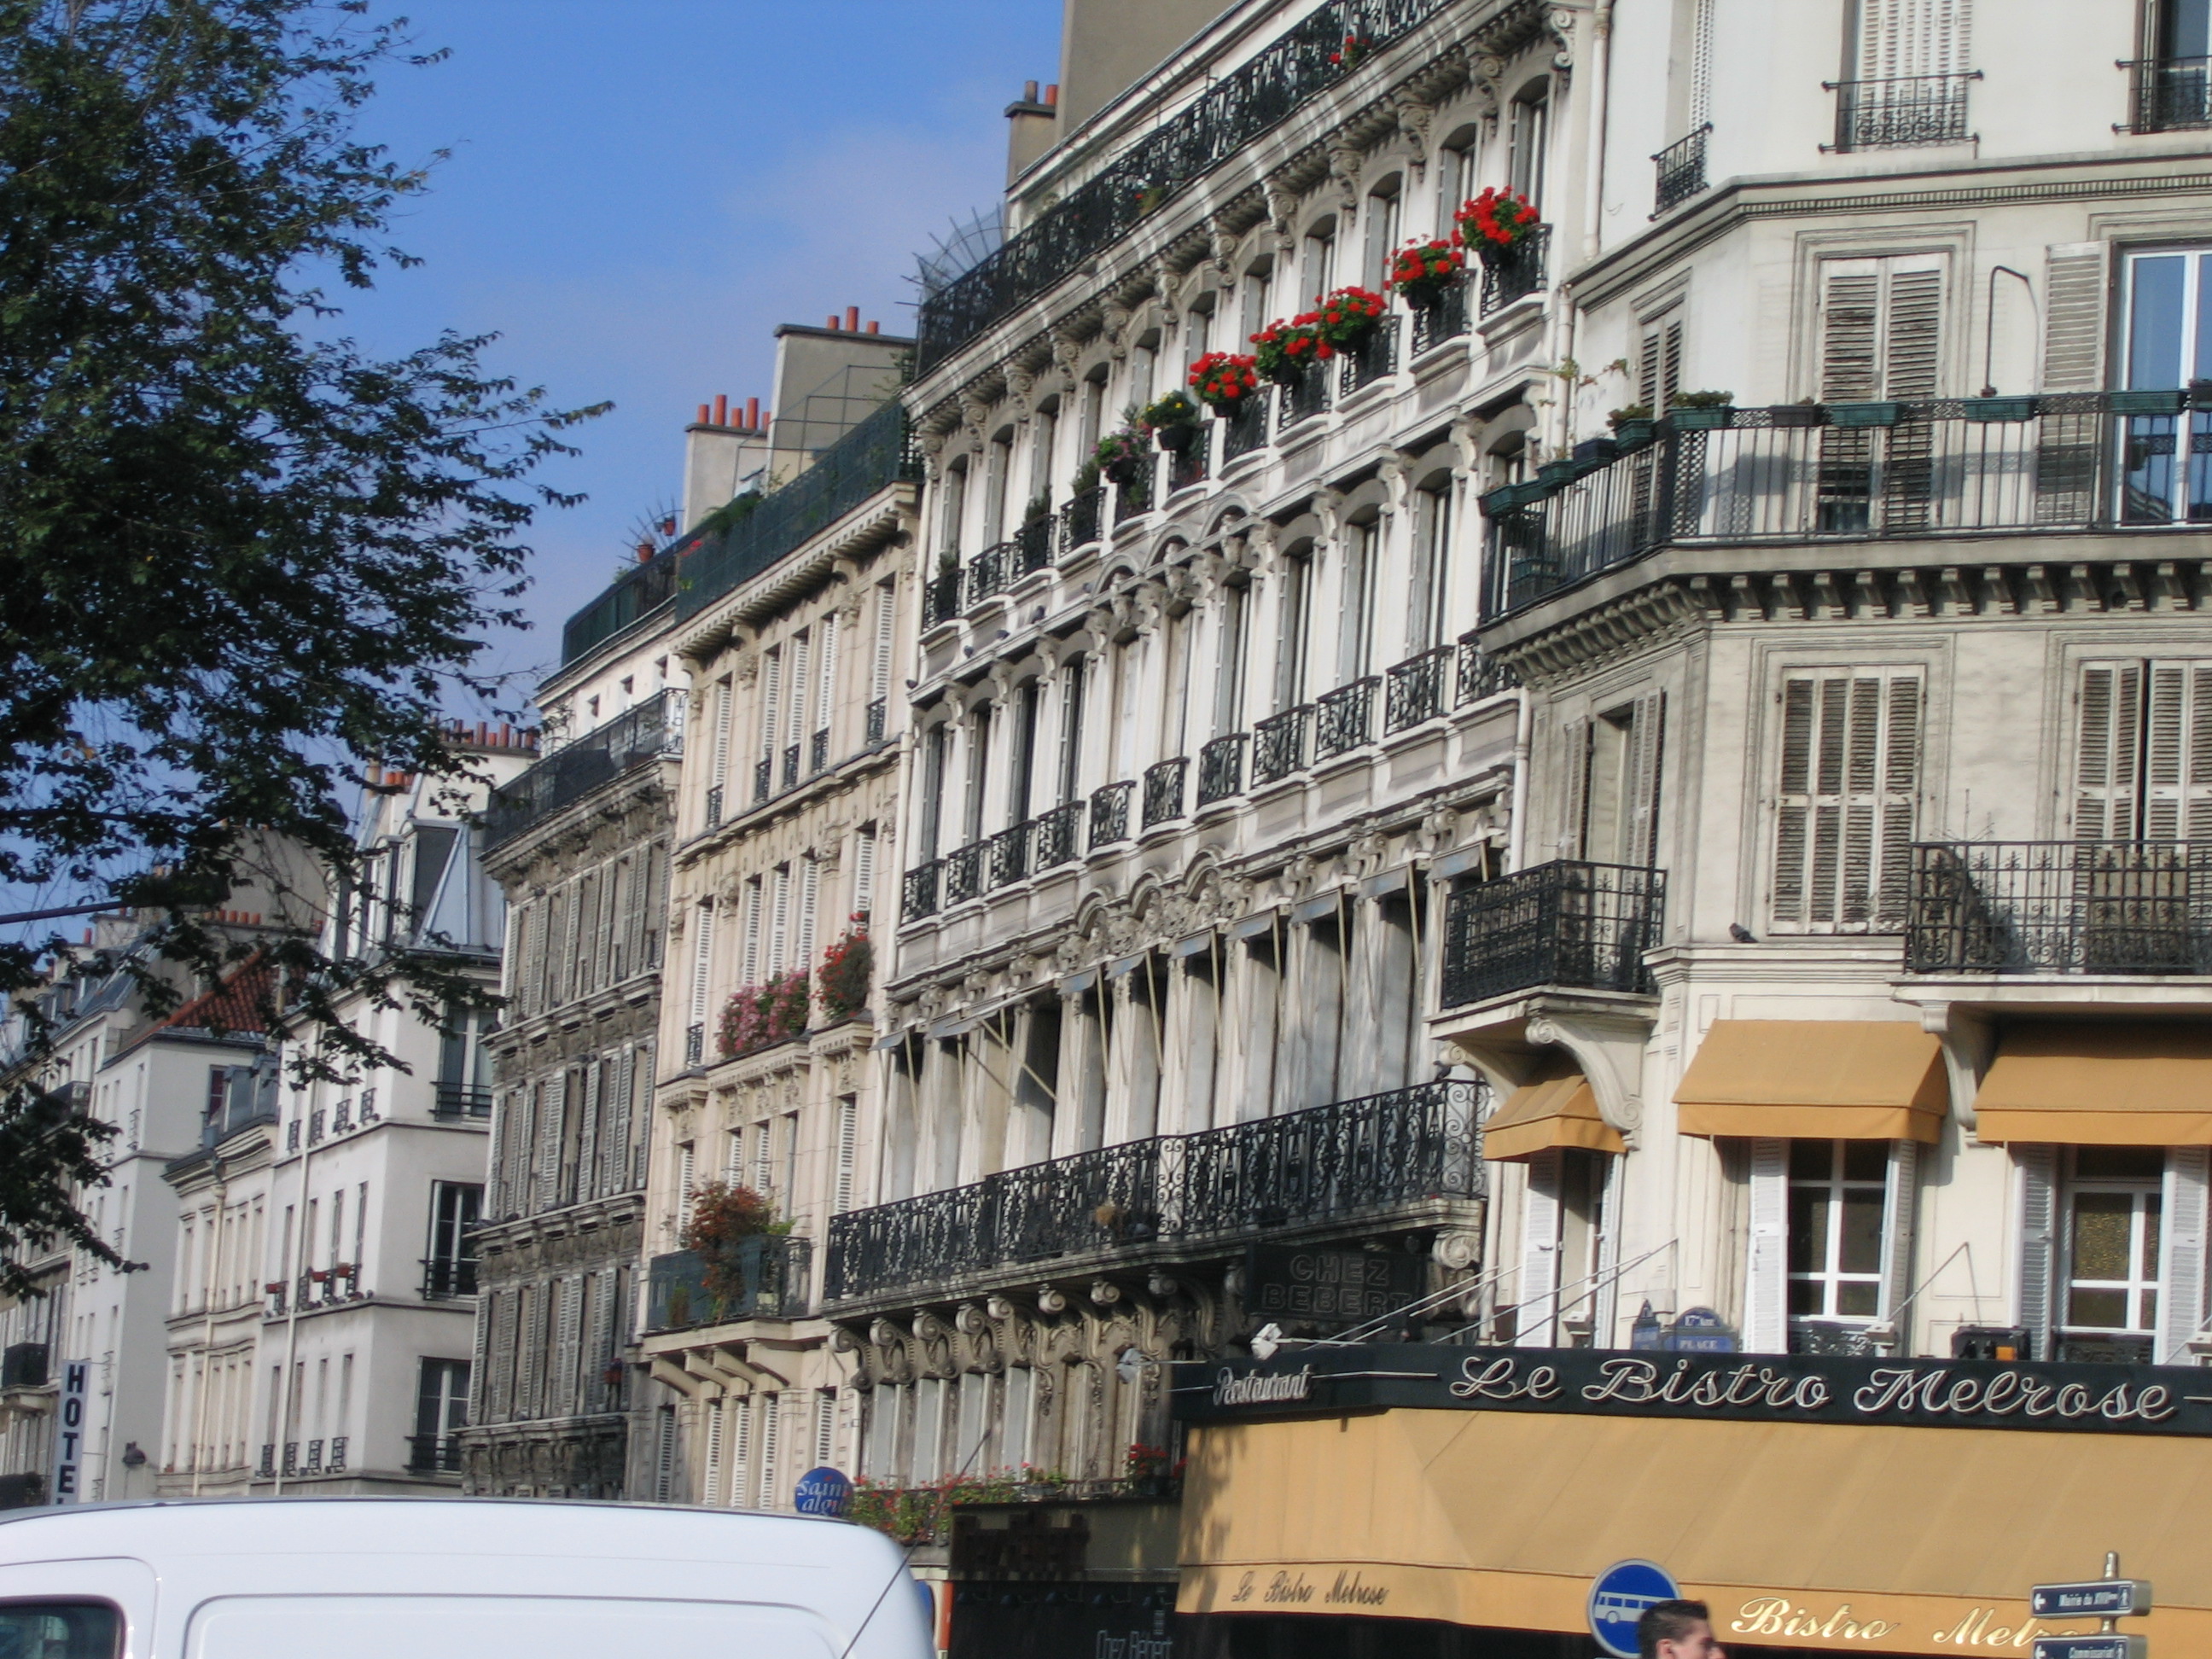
[[1618, 1600]]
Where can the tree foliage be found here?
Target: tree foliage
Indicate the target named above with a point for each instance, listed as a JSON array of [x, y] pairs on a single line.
[[242, 559]]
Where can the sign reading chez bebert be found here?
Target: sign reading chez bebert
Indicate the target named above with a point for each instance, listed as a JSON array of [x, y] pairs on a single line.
[[1983, 1394]]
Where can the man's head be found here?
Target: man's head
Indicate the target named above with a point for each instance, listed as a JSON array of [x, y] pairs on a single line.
[[1677, 1630]]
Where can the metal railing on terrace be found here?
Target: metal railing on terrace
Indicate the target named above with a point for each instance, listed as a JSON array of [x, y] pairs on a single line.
[[2169, 95], [1681, 170], [1584, 926], [651, 731], [1800, 473], [1301, 63], [2060, 907], [1315, 1168], [765, 1277], [875, 454], [1900, 110], [1519, 273], [634, 596]]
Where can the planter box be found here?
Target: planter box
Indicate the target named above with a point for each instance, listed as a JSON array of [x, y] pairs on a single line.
[[2146, 403], [1709, 418], [1634, 434], [1597, 451], [1552, 474], [1864, 414], [1997, 409], [1794, 414], [1506, 498]]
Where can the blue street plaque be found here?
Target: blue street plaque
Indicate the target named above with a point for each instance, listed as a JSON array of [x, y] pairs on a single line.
[[824, 1491], [1616, 1601], [2100, 1598], [1700, 1330], [2100, 1646]]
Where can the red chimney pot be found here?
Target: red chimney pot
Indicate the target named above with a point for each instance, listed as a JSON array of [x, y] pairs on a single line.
[[871, 326], [1052, 94], [752, 413], [852, 318], [722, 410], [832, 323], [702, 414]]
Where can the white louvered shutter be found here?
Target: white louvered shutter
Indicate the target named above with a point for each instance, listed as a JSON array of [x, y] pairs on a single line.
[[2177, 753], [810, 890], [779, 927], [795, 732], [1574, 795], [506, 1341], [2107, 755], [567, 1349], [687, 1174], [1659, 363], [2075, 285], [2181, 1251], [879, 673], [825, 1427], [718, 761], [614, 1142], [549, 1126], [2039, 1240], [663, 1460], [1701, 65], [848, 1126], [710, 1484], [1900, 38], [1646, 754], [825, 674], [1880, 328], [703, 959], [771, 678], [771, 1435], [603, 956], [640, 1143], [587, 1142], [1900, 1204], [864, 872], [741, 1451], [1766, 1270], [1844, 806], [1536, 1294], [751, 954]]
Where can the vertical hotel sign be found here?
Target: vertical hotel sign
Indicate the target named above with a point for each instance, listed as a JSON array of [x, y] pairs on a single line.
[[68, 1484]]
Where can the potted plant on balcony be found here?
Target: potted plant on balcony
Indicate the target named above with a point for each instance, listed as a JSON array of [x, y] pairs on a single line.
[[1282, 350], [1352, 52], [1172, 420], [1700, 411], [1424, 271], [848, 968], [1120, 455], [1347, 316], [723, 1216], [760, 1016], [1633, 426], [1804, 413], [1222, 380], [1496, 224]]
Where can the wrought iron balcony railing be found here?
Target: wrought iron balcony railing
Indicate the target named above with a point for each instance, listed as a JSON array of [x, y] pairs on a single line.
[[877, 713], [988, 572], [940, 596], [1304, 395], [2060, 907], [1681, 170], [764, 1277], [1902, 110], [1221, 769], [1374, 358], [1344, 719], [427, 1454], [1413, 690], [1057, 835], [1580, 926], [445, 1277], [791, 766], [764, 779], [456, 1101], [694, 1044], [1010, 854], [1518, 272], [964, 873], [921, 885], [1244, 428], [1109, 813], [2028, 465], [1443, 319], [1190, 464], [713, 806], [1279, 744], [1134, 494], [1083, 519], [1163, 790], [2170, 95], [1478, 675], [651, 731], [818, 752], [1235, 109], [1218, 1189]]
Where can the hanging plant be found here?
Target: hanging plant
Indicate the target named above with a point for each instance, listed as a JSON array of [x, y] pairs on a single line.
[[1497, 222], [1353, 52], [1120, 455], [1423, 270], [848, 968], [1347, 316], [1173, 420], [1221, 380], [756, 1015], [1281, 350]]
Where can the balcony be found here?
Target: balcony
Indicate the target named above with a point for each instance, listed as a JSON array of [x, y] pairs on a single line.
[[427, 1454], [1413, 690], [1191, 463], [1343, 719], [1805, 473], [1056, 830], [1374, 358], [964, 873], [1443, 319], [1304, 395], [1032, 547], [879, 712], [1681, 171], [444, 1278], [1081, 520], [921, 890], [1133, 493], [1163, 791], [1518, 272], [456, 1103], [1221, 769], [651, 732], [767, 1278], [2169, 95], [1304, 1172], [1010, 854], [2058, 907], [1109, 813], [940, 594], [1279, 745], [1901, 110], [763, 778], [1244, 426], [638, 592], [1237, 109], [695, 1045], [1568, 924]]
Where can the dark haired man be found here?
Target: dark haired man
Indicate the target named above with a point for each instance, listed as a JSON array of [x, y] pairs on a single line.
[[1677, 1630]]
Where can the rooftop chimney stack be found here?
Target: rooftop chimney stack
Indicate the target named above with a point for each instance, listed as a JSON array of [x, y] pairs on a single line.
[[722, 410]]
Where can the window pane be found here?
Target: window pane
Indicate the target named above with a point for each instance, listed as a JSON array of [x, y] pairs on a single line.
[[1811, 1160], [2155, 354], [1809, 1230], [2149, 1318], [2101, 1226], [1809, 1297], [1866, 1160], [2107, 1310], [59, 1630], [2120, 1163], [1859, 1301], [2147, 1263], [2183, 29], [1862, 1240]]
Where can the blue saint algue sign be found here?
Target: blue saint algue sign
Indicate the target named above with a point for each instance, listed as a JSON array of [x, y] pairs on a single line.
[[824, 1491], [1617, 1598]]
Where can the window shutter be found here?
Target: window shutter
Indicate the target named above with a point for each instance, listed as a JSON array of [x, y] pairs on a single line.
[[1850, 315], [719, 761], [1574, 771], [810, 890], [825, 1426], [562, 1396], [771, 1425], [710, 1485], [702, 956], [752, 945], [879, 678], [771, 676], [1701, 65], [1901, 794], [686, 1176], [1913, 37], [640, 1143], [508, 1342], [1912, 348], [2039, 1240], [587, 1144], [1646, 751], [548, 1139], [796, 727], [2181, 1246], [864, 872], [1766, 1281], [2074, 288], [848, 1124], [1793, 812], [1659, 363], [664, 1461], [779, 925], [603, 960], [1537, 1296], [825, 697], [2178, 753], [1845, 809], [1899, 1205], [2106, 754], [741, 1453], [614, 1141]]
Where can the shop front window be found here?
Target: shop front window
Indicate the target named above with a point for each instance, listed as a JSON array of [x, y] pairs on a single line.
[[1838, 1197], [2111, 1233]]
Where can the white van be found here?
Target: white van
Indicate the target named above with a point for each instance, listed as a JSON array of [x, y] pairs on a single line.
[[447, 1578]]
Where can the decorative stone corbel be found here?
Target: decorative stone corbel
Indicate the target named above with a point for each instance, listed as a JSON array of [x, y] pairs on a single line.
[[1345, 161], [1414, 114], [1970, 1043], [1610, 1051]]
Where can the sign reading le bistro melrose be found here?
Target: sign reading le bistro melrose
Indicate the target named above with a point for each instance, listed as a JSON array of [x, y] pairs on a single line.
[[1983, 1394]]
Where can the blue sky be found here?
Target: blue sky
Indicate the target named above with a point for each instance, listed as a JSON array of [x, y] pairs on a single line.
[[639, 190]]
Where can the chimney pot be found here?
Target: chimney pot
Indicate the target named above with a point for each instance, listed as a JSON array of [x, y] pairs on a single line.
[[752, 413], [702, 414], [852, 318], [722, 410], [832, 323], [1052, 95], [1028, 91], [871, 326]]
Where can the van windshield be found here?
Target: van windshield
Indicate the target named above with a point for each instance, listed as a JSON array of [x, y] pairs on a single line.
[[59, 1630]]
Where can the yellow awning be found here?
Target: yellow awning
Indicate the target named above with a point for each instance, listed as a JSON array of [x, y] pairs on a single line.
[[1554, 1109], [1815, 1079], [2088, 1085], [1841, 1537]]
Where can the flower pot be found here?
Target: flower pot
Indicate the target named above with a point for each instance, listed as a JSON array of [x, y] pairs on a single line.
[[1708, 418], [1986, 409], [1124, 470], [1634, 434], [1178, 438], [1595, 451], [1864, 414], [1786, 414], [2146, 403], [1427, 297]]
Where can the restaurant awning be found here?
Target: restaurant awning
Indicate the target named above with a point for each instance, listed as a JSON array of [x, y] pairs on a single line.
[[1818, 1079], [1864, 1538], [1554, 1109], [2088, 1085]]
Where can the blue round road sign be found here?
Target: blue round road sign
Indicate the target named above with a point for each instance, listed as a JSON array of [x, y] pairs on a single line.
[[1618, 1599], [824, 1491]]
